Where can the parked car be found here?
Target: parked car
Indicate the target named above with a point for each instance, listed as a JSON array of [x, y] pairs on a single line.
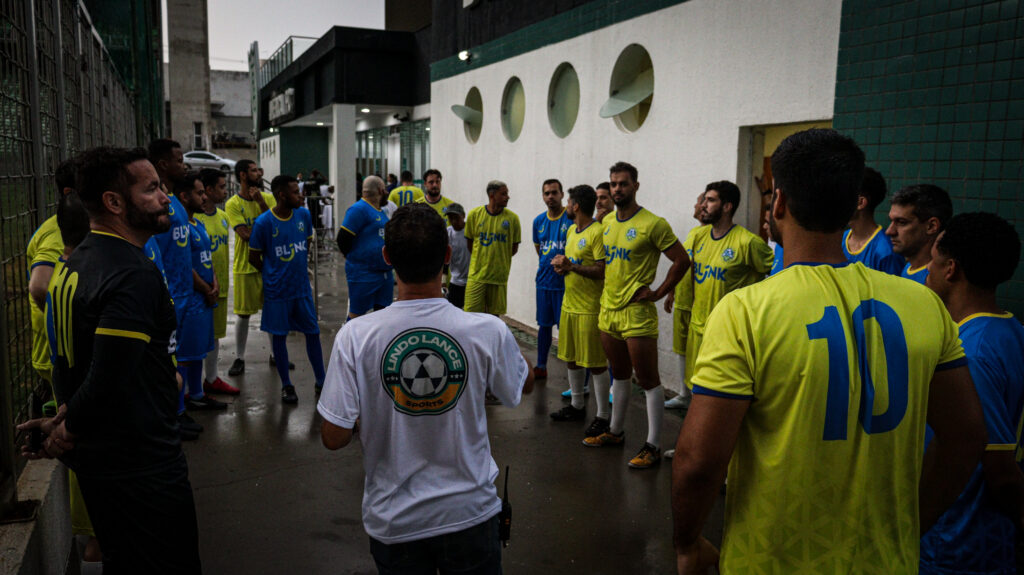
[[197, 159]]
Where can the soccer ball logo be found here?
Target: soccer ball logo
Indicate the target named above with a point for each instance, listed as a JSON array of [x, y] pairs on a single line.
[[631, 234], [424, 373]]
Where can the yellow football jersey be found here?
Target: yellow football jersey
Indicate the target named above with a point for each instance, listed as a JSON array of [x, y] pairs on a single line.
[[440, 206], [44, 249], [818, 483], [493, 237], [406, 195], [585, 248], [721, 265], [242, 212], [683, 295], [632, 248], [217, 228]]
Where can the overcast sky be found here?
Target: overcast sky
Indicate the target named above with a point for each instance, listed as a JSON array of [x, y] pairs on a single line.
[[235, 24]]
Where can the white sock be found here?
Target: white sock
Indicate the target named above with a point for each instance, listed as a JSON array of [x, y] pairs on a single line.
[[655, 414], [602, 385], [620, 399], [210, 363], [241, 335], [682, 376], [577, 377]]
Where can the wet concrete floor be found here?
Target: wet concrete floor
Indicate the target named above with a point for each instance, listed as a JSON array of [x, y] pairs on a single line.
[[271, 499]]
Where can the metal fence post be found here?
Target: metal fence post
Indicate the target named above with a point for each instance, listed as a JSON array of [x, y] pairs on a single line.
[[58, 60], [35, 117]]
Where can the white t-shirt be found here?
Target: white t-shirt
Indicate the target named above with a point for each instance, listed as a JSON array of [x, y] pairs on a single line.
[[389, 208], [415, 374], [459, 265]]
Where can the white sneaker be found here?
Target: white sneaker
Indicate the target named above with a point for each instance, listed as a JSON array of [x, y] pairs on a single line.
[[678, 402], [668, 453]]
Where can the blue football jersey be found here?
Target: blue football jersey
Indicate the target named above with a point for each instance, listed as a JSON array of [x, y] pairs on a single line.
[[777, 265], [549, 234], [365, 262], [152, 250], [175, 252], [975, 535], [919, 275], [284, 244], [202, 260], [877, 253]]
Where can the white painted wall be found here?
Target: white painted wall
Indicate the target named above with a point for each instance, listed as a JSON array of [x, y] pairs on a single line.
[[718, 66]]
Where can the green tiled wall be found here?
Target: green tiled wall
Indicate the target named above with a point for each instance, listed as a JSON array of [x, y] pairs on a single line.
[[576, 22], [933, 90]]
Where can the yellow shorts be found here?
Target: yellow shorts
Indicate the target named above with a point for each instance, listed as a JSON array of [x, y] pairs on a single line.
[[80, 522], [635, 320], [220, 318], [579, 340], [486, 298], [680, 325], [248, 291], [693, 340]]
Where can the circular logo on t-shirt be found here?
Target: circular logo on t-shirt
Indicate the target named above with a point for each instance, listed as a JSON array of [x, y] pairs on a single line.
[[631, 234], [582, 243], [728, 255], [423, 371], [504, 224]]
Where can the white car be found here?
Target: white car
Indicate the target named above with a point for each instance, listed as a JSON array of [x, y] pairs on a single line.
[[196, 160]]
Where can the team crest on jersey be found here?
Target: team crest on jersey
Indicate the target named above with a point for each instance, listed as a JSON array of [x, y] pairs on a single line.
[[728, 255], [302, 227], [423, 371], [504, 224], [563, 228], [582, 243], [631, 234]]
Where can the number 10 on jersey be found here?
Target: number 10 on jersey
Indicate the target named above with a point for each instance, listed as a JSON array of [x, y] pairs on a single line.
[[894, 343]]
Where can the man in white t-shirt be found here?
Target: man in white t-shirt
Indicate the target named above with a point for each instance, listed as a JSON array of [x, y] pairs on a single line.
[[458, 267], [415, 375]]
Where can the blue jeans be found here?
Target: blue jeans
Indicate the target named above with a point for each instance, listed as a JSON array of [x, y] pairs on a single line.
[[473, 551]]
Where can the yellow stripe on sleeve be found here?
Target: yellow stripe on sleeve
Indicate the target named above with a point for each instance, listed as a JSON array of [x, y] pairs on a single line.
[[1000, 447], [122, 333]]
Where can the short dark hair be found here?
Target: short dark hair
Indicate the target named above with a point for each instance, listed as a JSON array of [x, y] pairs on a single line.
[[623, 167], [928, 200], [550, 181], [604, 186], [160, 149], [64, 175], [584, 197], [728, 192], [406, 176], [985, 245], [187, 184], [416, 238], [72, 219], [432, 171], [280, 183], [241, 167], [104, 169], [494, 186], [820, 171], [210, 176], [873, 187]]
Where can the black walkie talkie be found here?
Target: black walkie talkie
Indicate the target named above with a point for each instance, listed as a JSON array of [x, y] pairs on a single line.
[[505, 517]]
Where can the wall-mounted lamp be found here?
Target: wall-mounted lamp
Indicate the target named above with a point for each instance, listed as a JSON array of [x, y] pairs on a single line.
[[465, 55]]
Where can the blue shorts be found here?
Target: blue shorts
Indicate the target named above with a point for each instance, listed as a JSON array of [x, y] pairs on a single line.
[[366, 296], [549, 306], [281, 316], [181, 307], [195, 336]]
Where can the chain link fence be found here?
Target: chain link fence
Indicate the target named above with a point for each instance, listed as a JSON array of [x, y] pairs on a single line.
[[59, 94]]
